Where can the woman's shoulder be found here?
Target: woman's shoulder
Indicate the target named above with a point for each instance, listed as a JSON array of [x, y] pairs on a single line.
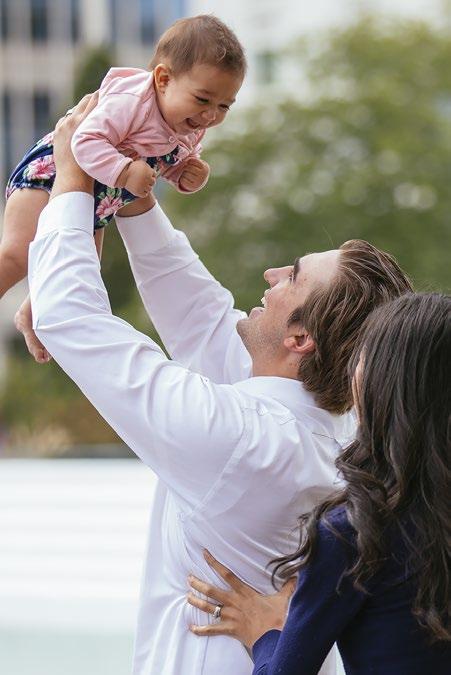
[[334, 548], [334, 527]]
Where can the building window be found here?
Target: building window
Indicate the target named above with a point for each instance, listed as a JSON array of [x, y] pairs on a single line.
[[114, 14], [148, 23], [39, 20], [7, 133], [75, 20], [4, 26], [41, 114]]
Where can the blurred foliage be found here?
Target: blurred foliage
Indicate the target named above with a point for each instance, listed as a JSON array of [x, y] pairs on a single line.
[[361, 150], [366, 154], [91, 70]]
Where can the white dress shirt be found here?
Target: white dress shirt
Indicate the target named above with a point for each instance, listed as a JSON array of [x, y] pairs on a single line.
[[239, 458]]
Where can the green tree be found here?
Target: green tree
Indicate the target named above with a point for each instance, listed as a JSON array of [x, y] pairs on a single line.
[[36, 399], [91, 69], [365, 153], [362, 150]]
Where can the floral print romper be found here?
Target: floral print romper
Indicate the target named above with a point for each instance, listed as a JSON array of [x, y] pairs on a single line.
[[37, 170]]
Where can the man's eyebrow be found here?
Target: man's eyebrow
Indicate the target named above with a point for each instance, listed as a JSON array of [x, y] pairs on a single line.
[[296, 268]]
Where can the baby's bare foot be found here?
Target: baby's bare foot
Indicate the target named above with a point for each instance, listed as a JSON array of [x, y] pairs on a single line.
[[24, 325]]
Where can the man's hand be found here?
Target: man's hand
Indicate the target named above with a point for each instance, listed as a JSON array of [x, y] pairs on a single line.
[[69, 176], [195, 173], [138, 178]]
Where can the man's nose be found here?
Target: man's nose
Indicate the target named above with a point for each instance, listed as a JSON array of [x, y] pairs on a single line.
[[271, 276]]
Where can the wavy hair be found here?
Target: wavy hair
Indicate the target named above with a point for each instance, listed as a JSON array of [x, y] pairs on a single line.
[[398, 470], [333, 315]]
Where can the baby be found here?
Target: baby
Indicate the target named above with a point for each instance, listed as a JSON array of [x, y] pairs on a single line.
[[147, 123]]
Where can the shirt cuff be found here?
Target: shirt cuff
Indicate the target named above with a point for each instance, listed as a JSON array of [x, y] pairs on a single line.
[[148, 232], [264, 647], [69, 211]]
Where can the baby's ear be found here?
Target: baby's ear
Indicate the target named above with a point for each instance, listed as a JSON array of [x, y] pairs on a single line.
[[161, 76]]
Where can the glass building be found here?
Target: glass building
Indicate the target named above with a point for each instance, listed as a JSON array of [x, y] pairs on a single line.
[[41, 43]]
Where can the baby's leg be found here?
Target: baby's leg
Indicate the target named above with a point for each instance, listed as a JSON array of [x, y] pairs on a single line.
[[22, 212], [19, 227]]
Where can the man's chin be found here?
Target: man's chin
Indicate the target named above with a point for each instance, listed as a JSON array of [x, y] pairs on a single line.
[[243, 323], [255, 311], [246, 327]]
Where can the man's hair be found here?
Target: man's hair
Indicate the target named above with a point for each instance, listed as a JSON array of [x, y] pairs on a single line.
[[333, 316], [202, 39]]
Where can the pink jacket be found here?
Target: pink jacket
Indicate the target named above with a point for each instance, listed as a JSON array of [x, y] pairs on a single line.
[[126, 124]]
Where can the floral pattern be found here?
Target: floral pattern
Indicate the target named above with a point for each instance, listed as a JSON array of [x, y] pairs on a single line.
[[37, 170], [42, 168], [46, 140], [108, 202]]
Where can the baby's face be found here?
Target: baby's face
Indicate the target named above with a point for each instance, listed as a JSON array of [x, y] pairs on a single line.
[[197, 99]]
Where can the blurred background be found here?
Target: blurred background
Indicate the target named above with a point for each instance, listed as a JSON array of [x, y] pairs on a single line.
[[341, 130]]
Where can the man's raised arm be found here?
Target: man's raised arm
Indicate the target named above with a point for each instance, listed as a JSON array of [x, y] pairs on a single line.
[[193, 314], [175, 420]]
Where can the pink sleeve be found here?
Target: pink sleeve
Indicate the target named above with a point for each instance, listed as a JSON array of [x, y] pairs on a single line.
[[172, 173], [94, 143]]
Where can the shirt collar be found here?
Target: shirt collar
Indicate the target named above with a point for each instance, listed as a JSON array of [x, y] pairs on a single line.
[[293, 395]]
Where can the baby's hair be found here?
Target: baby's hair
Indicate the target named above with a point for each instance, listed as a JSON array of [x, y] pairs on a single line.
[[202, 39]]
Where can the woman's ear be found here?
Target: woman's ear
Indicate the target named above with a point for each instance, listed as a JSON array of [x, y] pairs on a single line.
[[161, 77]]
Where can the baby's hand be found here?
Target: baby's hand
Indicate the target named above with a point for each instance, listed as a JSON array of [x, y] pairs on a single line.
[[195, 173], [138, 178]]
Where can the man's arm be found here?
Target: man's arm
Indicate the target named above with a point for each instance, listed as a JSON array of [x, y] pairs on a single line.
[[191, 311], [175, 420]]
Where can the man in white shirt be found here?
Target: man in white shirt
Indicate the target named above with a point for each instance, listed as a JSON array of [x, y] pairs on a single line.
[[241, 445]]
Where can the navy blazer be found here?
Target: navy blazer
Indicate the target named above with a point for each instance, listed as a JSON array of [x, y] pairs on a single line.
[[376, 633]]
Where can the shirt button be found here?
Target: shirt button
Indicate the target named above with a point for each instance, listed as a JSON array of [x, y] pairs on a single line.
[[171, 139]]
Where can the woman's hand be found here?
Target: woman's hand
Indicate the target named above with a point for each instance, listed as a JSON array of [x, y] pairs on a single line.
[[244, 613]]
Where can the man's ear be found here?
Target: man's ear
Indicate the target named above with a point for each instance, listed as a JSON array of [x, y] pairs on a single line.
[[161, 76], [299, 344]]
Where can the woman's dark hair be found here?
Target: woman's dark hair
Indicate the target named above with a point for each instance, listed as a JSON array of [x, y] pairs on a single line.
[[398, 470]]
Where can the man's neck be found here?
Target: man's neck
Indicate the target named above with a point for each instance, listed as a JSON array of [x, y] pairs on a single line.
[[274, 370]]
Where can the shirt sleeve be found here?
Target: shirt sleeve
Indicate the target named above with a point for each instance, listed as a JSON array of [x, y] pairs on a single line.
[[192, 312], [94, 143], [178, 422], [317, 615]]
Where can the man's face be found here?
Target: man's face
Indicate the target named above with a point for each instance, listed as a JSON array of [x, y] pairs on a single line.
[[265, 329]]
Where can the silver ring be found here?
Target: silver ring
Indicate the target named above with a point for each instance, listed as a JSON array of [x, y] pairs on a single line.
[[217, 612]]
